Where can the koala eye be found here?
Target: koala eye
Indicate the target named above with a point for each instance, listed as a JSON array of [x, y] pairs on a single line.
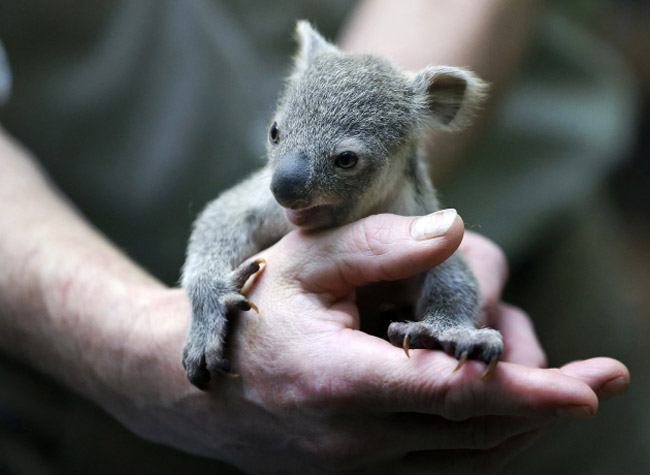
[[346, 160], [274, 133]]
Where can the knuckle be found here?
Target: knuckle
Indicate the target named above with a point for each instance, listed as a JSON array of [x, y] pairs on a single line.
[[323, 395], [378, 240], [315, 396], [372, 236], [497, 257], [487, 250]]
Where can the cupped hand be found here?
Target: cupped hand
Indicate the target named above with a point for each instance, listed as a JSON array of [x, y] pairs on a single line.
[[314, 393]]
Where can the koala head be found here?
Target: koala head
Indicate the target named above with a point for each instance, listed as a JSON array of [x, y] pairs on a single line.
[[347, 123]]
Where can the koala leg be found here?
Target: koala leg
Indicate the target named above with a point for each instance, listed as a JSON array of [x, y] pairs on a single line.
[[214, 303], [449, 306]]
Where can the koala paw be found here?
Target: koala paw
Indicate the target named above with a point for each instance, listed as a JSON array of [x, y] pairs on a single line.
[[462, 342], [212, 307]]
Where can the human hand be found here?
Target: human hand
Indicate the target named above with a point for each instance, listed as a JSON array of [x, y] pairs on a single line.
[[316, 394]]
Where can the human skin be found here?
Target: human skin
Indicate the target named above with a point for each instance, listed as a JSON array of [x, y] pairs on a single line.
[[313, 392]]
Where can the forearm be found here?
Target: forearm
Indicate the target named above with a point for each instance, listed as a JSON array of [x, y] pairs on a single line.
[[487, 36], [490, 37], [64, 289]]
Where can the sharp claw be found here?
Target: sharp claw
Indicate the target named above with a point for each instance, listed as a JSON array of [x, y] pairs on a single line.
[[248, 284], [461, 361], [253, 306], [493, 364], [232, 375], [405, 345]]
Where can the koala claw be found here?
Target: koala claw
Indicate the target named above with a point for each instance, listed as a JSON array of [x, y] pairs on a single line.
[[204, 349], [241, 275], [405, 345], [461, 361], [462, 342], [253, 306], [491, 366], [235, 302]]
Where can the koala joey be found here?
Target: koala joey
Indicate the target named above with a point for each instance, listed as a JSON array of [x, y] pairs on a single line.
[[345, 143]]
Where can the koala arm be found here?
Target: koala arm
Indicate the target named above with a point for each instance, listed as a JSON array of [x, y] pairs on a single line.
[[238, 224]]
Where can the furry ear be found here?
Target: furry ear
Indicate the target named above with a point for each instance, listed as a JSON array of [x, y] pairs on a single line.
[[310, 43], [450, 96]]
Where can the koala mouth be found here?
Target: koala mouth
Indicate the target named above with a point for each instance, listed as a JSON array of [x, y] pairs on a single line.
[[312, 217]]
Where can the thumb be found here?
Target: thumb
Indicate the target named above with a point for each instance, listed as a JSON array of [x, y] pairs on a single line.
[[376, 248]]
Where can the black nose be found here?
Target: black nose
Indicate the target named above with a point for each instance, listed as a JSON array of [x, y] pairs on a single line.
[[290, 181]]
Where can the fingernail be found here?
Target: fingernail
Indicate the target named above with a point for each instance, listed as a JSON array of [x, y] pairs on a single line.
[[613, 388], [433, 225], [575, 412]]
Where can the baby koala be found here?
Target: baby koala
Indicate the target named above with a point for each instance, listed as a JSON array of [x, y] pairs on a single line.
[[346, 142]]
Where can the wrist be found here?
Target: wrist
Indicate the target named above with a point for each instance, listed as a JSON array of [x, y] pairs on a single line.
[[148, 381]]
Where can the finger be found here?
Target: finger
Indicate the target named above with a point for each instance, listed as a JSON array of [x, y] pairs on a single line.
[[377, 375], [376, 248], [521, 345], [489, 265], [607, 384], [358, 441], [468, 461], [415, 432]]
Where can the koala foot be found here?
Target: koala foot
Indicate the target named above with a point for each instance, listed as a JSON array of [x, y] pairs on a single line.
[[212, 308], [462, 342]]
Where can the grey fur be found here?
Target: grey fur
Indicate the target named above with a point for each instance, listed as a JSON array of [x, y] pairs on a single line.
[[337, 102]]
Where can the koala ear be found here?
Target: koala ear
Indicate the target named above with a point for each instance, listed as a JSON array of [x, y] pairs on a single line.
[[450, 96], [310, 43]]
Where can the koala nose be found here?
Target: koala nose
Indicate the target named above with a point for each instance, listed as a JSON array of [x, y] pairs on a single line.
[[290, 181]]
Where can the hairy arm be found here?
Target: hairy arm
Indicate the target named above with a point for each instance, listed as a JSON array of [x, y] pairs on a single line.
[[62, 285]]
